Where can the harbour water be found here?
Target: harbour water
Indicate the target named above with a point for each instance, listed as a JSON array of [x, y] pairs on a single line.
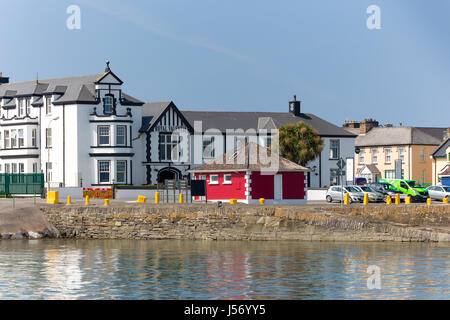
[[172, 269]]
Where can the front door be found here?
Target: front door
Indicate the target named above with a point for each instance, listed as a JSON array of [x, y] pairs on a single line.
[[278, 187]]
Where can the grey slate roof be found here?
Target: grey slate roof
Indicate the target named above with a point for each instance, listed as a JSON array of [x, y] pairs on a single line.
[[249, 156], [250, 120], [80, 89], [440, 151], [151, 112], [390, 136]]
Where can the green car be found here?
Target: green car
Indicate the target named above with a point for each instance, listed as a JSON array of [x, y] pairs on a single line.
[[409, 187]]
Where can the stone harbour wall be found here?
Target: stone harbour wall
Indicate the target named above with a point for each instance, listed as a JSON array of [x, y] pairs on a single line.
[[250, 222]]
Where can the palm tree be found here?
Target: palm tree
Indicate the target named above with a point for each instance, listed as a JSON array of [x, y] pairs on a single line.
[[298, 142]]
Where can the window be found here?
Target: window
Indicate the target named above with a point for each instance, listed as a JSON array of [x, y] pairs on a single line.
[[6, 141], [361, 157], [389, 174], [13, 138], [121, 171], [22, 107], [401, 152], [374, 156], [48, 105], [33, 138], [108, 105], [103, 135], [214, 179], [48, 137], [334, 178], [334, 149], [208, 147], [14, 168], [227, 179], [0, 167], [0, 137], [21, 168], [169, 145], [21, 141], [35, 167], [422, 155], [7, 168], [27, 106], [239, 141], [48, 171], [103, 171], [387, 155], [268, 142], [121, 135]]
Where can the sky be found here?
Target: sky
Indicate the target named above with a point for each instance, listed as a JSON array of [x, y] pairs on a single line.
[[246, 55]]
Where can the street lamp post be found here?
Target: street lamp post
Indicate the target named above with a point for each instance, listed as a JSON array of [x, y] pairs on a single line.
[[48, 154]]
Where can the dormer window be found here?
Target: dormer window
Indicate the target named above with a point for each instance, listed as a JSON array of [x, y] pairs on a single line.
[[108, 105]]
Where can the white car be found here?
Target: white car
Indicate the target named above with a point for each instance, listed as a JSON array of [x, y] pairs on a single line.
[[439, 192], [337, 193], [374, 196]]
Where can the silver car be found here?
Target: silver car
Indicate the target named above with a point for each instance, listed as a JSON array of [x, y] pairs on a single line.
[[337, 193], [374, 196], [439, 192]]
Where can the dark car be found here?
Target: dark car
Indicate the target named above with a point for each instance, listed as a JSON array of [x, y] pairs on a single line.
[[386, 189]]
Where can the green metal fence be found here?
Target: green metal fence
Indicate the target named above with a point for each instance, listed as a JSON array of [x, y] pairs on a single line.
[[29, 183]]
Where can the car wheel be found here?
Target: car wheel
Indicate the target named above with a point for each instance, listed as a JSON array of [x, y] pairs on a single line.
[[329, 199]]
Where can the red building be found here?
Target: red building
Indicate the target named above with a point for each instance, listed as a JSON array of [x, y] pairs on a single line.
[[251, 172]]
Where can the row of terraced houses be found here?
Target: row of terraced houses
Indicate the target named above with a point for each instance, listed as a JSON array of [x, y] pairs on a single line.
[[86, 131]]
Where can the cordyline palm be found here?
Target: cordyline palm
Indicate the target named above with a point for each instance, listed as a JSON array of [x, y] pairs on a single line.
[[298, 142]]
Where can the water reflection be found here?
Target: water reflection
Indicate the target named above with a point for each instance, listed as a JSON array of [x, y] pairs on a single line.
[[112, 269]]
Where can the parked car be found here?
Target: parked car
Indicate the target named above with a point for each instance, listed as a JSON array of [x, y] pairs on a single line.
[[409, 187], [387, 189], [374, 196], [337, 193], [439, 192], [360, 181]]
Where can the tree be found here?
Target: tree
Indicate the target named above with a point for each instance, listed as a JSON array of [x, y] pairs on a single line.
[[298, 142]]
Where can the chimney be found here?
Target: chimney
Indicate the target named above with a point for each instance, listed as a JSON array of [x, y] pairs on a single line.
[[351, 124], [447, 134], [3, 79], [294, 107], [366, 125]]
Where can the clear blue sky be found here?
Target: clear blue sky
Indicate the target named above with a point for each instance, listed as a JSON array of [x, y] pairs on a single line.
[[251, 55]]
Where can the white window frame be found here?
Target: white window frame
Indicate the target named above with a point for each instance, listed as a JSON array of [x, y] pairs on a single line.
[[169, 143], [28, 106], [361, 157], [7, 168], [33, 137], [13, 138], [387, 155], [375, 156], [102, 170], [48, 105], [335, 146], [208, 142], [124, 135], [48, 138], [21, 167], [401, 154], [99, 135], [21, 107], [124, 171], [225, 180], [111, 99], [216, 179], [21, 138], [35, 167]]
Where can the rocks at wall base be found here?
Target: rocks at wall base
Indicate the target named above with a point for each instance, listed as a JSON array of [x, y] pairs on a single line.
[[47, 232]]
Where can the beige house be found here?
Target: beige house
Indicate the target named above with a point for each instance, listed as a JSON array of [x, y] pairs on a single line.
[[441, 163], [380, 147]]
